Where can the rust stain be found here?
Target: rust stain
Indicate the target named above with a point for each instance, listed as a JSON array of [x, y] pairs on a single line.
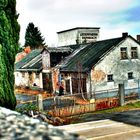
[[97, 75], [55, 79]]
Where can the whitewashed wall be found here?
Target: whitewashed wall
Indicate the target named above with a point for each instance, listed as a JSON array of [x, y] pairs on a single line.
[[67, 38], [24, 81], [70, 37], [112, 64]]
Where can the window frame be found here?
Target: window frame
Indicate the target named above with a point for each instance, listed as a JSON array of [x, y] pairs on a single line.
[[124, 54], [110, 78], [134, 52]]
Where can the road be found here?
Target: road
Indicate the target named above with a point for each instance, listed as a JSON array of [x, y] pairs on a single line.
[[104, 130]]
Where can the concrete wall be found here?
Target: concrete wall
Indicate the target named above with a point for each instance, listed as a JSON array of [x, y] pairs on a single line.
[[70, 37], [112, 64], [67, 38], [25, 79]]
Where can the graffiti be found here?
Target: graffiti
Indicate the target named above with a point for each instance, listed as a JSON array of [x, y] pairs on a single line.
[[105, 104]]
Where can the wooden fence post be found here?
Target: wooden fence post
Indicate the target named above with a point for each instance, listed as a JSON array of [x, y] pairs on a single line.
[[40, 102]]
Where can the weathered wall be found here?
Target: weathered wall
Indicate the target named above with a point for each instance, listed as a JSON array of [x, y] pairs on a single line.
[[67, 38], [27, 80], [112, 64], [70, 37]]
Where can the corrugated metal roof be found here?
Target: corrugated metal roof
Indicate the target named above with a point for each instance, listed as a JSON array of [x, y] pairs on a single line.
[[85, 57], [33, 61], [27, 58]]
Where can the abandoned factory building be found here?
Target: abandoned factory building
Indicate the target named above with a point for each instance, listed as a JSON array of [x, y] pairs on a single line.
[[78, 35], [86, 67]]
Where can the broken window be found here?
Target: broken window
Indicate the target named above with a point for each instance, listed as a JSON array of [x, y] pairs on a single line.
[[110, 78], [130, 75], [134, 53], [124, 53]]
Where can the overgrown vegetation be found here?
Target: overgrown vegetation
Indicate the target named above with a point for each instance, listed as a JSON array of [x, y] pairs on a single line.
[[27, 107], [9, 37], [33, 37]]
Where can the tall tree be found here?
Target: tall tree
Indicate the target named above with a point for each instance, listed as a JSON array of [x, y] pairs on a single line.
[[33, 37], [9, 37]]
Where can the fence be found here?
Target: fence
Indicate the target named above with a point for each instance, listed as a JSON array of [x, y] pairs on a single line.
[[75, 104]]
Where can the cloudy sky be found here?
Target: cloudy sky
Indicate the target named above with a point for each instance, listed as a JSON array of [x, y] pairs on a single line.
[[51, 16]]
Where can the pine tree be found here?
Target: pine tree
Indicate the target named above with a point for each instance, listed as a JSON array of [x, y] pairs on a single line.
[[9, 37], [33, 37]]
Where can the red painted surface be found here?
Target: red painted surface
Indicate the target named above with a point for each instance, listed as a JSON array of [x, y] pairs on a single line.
[[106, 103]]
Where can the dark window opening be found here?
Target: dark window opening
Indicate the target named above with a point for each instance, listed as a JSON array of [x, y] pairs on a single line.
[[110, 78], [130, 75]]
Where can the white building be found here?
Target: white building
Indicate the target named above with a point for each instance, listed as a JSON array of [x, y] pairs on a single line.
[[103, 65], [78, 35]]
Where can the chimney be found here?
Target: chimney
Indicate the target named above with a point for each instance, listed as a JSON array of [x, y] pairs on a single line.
[[138, 38], [124, 34]]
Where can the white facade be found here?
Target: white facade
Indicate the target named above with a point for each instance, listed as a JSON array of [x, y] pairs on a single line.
[[78, 35], [25, 79], [113, 64]]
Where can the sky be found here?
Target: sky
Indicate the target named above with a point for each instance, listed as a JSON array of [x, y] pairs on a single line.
[[51, 16]]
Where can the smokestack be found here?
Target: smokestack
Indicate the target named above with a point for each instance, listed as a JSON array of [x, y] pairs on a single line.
[[138, 38], [124, 34]]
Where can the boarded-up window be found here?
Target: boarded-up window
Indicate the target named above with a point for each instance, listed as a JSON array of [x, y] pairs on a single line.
[[124, 53], [134, 53], [78, 85], [67, 86]]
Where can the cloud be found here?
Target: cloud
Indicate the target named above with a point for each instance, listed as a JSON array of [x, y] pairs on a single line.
[[56, 15]]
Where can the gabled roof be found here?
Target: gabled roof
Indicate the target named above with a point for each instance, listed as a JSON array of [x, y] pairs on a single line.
[[27, 58], [33, 61], [86, 56]]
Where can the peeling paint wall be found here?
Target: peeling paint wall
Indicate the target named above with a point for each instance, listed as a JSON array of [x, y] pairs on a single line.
[[25, 79], [113, 64], [55, 73]]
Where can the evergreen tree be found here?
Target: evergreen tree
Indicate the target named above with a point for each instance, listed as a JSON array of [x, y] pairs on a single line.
[[33, 37], [9, 36]]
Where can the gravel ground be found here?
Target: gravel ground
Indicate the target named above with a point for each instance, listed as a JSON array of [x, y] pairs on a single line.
[[14, 126]]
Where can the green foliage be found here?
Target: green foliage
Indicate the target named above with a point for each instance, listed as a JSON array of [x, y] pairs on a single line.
[[27, 107], [20, 48], [9, 36], [33, 37]]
